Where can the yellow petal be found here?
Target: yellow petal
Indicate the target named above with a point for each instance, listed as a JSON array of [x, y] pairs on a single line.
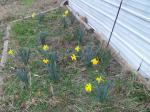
[[88, 87], [73, 57], [77, 48], [99, 79], [94, 61], [45, 61], [33, 15], [11, 52], [45, 47], [66, 12]]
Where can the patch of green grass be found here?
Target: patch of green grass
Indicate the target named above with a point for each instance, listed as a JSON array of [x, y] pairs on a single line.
[[27, 2], [25, 28], [25, 33]]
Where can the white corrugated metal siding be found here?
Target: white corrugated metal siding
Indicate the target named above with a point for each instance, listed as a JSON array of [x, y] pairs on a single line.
[[98, 12], [131, 35]]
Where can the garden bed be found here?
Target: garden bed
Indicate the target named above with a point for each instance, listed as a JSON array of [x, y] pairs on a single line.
[[52, 60]]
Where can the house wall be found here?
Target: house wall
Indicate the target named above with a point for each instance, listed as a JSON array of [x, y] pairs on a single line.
[[131, 35]]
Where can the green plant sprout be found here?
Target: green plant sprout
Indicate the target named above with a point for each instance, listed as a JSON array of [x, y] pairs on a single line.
[[41, 17], [79, 34], [24, 54], [103, 90], [64, 22], [53, 67], [22, 75], [87, 55], [42, 37]]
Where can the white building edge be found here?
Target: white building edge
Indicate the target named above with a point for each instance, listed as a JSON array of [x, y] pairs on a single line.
[[131, 34]]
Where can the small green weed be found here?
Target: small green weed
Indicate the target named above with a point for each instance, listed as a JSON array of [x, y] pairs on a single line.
[[42, 37], [41, 18], [53, 67], [103, 91], [79, 34], [24, 54], [27, 2], [24, 28], [22, 75]]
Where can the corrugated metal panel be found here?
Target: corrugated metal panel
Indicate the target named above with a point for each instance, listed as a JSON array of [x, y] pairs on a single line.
[[98, 13], [131, 36]]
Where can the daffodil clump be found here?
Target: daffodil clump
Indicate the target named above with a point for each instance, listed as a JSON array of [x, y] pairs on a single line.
[[88, 87], [24, 54], [22, 70], [101, 89], [65, 18], [79, 34]]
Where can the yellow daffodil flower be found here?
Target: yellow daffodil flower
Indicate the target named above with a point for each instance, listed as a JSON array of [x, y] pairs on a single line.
[[45, 61], [73, 57], [11, 52], [45, 47], [66, 13], [77, 49], [88, 88], [99, 79], [94, 61], [33, 15]]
